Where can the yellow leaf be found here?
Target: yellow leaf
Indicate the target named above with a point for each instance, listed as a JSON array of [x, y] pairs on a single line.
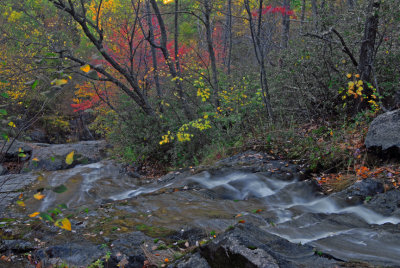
[[34, 214], [85, 68], [21, 203], [11, 124], [59, 82], [35, 159], [39, 196], [70, 158], [63, 224], [348, 75]]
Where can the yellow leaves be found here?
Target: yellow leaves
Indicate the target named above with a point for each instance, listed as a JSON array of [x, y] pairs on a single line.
[[85, 68], [39, 196], [351, 85], [70, 158], [20, 203], [166, 2], [203, 93], [11, 124], [35, 159], [349, 76], [59, 82], [63, 224], [14, 16], [34, 214], [166, 138]]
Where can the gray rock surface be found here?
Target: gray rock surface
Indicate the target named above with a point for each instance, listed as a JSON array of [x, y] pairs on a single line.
[[52, 156], [11, 150], [72, 253], [248, 246], [195, 260], [384, 131], [12, 185]]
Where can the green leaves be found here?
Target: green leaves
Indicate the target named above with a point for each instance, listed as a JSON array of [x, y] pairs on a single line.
[[60, 189], [46, 216], [3, 112], [34, 85], [4, 95]]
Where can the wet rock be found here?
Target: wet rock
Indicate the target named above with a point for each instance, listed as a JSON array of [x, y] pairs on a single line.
[[15, 246], [126, 262], [129, 243], [38, 135], [358, 192], [387, 204], [11, 185], [12, 150], [195, 260], [71, 253], [383, 133], [52, 157], [248, 246]]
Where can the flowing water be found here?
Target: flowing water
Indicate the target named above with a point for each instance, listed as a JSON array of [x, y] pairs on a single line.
[[286, 207]]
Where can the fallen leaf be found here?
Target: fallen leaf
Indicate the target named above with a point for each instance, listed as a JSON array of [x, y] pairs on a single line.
[[242, 221], [21, 203], [11, 124], [35, 159], [59, 82], [85, 68], [34, 214], [39, 196], [70, 158], [63, 224]]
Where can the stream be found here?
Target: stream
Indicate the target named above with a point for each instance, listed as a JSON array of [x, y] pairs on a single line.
[[212, 200]]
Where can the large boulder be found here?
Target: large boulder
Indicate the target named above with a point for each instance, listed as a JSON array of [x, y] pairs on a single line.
[[51, 157], [249, 246], [384, 133]]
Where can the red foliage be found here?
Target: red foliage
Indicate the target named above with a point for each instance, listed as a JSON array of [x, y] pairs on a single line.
[[275, 10]]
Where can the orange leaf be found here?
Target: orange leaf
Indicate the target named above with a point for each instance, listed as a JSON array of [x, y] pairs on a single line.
[[34, 214], [39, 196], [85, 68]]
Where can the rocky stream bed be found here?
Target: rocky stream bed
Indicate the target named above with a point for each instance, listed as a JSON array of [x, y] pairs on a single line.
[[249, 210]]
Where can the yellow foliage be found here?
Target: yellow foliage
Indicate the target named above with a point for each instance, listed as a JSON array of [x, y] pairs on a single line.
[[70, 158], [64, 224], [85, 68], [39, 196], [20, 203], [34, 214]]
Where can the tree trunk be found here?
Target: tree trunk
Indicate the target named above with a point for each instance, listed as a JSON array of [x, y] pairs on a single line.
[[228, 37], [303, 13], [210, 47], [314, 7], [367, 52], [176, 37], [285, 24], [154, 57], [170, 64], [260, 55]]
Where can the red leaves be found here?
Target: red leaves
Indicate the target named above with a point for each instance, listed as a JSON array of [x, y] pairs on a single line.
[[274, 10]]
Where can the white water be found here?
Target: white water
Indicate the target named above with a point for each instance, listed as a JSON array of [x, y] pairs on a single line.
[[299, 213]]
